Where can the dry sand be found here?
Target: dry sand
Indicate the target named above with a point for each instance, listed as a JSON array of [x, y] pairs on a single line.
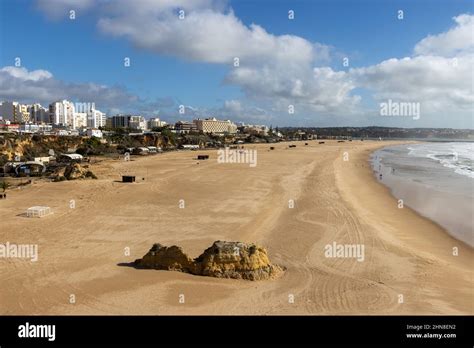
[[80, 249]]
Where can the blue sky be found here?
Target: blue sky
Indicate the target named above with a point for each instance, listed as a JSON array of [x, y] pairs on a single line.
[[368, 32]]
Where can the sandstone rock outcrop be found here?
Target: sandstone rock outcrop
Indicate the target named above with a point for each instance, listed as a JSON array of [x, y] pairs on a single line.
[[222, 260], [76, 171], [236, 260], [166, 258]]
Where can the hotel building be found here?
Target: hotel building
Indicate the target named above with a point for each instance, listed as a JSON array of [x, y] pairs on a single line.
[[185, 127], [212, 125]]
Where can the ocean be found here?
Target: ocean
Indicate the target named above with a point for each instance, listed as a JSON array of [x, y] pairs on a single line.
[[434, 179]]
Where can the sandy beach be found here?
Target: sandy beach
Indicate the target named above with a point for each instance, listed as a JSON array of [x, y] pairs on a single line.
[[81, 249]]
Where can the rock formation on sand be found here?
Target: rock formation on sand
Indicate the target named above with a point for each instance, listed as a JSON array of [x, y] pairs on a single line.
[[167, 258], [74, 171], [222, 260]]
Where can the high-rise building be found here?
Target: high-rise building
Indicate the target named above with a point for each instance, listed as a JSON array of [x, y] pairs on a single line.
[[14, 112], [61, 113], [38, 114], [9, 111], [80, 120], [95, 118], [119, 121], [24, 113], [212, 125], [155, 123], [137, 122]]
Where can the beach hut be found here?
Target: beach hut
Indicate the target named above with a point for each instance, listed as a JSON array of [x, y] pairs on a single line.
[[38, 211]]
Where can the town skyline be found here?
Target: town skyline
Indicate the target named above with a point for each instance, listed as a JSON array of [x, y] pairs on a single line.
[[284, 65]]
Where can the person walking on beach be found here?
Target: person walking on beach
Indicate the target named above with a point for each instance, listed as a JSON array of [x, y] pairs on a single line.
[[4, 186]]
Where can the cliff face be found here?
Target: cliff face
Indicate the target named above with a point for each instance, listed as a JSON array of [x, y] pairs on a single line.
[[30, 146], [124, 141], [222, 260]]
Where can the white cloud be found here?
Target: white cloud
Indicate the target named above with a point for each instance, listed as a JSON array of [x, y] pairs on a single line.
[[429, 79], [270, 66], [205, 35], [25, 75], [278, 70], [439, 77], [309, 90], [41, 86], [457, 40], [233, 105]]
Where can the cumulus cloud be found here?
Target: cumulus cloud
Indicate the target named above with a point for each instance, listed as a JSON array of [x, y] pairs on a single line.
[[313, 89], [456, 41], [433, 80], [439, 76], [233, 105], [25, 75], [211, 33], [18, 83], [240, 111], [209, 36], [278, 70]]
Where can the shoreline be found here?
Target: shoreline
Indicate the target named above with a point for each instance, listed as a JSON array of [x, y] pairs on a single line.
[[335, 200], [412, 190]]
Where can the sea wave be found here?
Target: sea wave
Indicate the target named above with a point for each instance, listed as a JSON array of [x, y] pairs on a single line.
[[456, 156]]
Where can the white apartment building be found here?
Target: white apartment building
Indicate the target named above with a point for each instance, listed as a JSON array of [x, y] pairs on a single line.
[[212, 125], [9, 111], [38, 114], [137, 122], [94, 133], [256, 129], [24, 113], [76, 116], [95, 118], [14, 112], [80, 120], [62, 113], [155, 123]]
